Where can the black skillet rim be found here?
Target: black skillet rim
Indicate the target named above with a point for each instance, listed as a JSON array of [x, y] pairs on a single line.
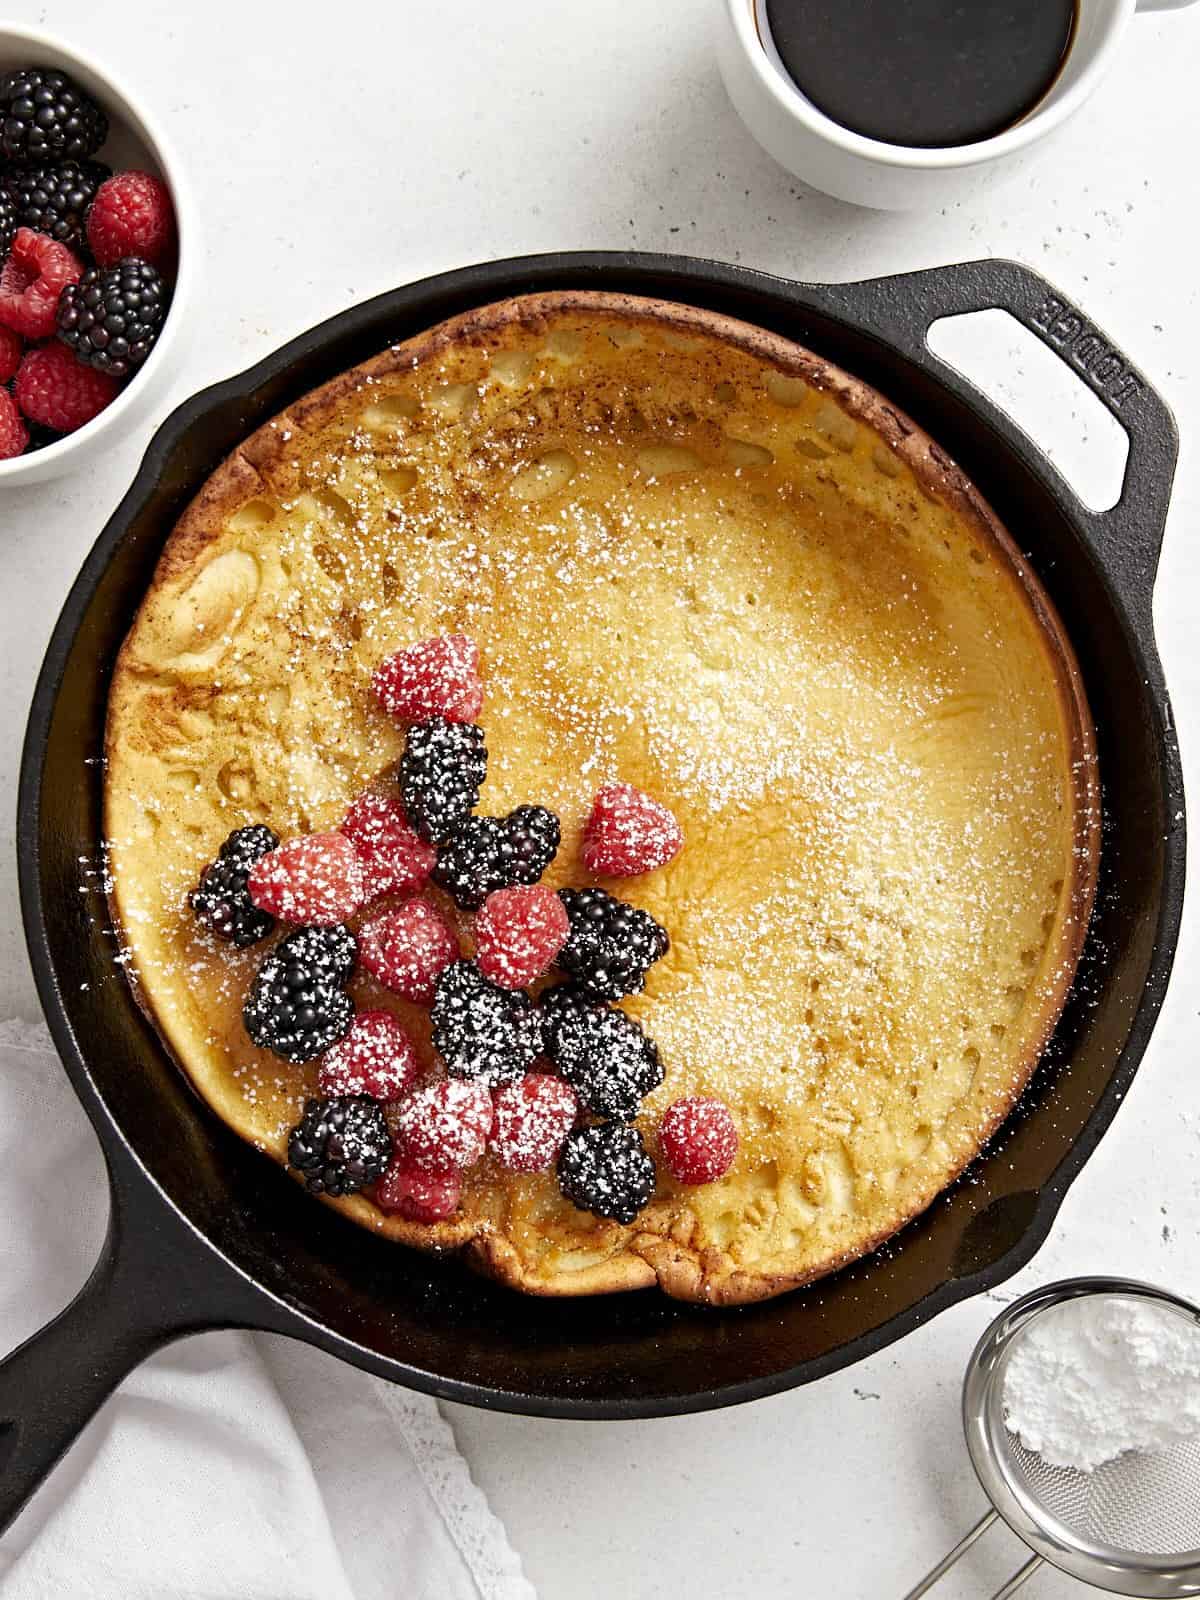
[[263, 1307]]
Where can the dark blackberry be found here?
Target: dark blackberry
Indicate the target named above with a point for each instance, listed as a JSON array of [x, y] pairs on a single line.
[[341, 1144], [611, 944], [221, 901], [601, 1052], [535, 836], [8, 222], [331, 951], [113, 316], [53, 198], [606, 1170], [45, 115], [297, 1006], [474, 861], [488, 853], [441, 770], [482, 1031]]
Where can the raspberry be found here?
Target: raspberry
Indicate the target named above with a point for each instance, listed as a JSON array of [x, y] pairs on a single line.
[[376, 1057], [317, 879], [394, 859], [11, 348], [628, 833], [435, 678], [418, 1196], [32, 279], [14, 435], [518, 933], [698, 1140], [533, 1118], [407, 948], [132, 215], [55, 390], [445, 1125]]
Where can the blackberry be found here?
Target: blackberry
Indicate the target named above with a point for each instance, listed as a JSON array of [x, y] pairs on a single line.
[[441, 770], [611, 944], [606, 1170], [45, 115], [54, 199], [535, 835], [341, 1144], [484, 854], [297, 1006], [601, 1052], [8, 222], [330, 951], [482, 1031], [113, 316], [221, 901]]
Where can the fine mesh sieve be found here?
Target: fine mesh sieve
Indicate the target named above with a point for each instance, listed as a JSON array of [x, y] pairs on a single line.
[[1132, 1526]]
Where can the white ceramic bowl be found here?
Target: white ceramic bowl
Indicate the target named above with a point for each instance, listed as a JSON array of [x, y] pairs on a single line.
[[134, 141], [869, 172]]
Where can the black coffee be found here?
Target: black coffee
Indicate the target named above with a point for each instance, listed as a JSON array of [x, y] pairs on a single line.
[[923, 72]]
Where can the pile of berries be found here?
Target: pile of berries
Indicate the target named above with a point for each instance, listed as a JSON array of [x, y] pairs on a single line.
[[86, 259], [553, 1080]]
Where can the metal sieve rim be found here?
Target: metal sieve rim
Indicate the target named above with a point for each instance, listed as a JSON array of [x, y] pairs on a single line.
[[1105, 1566]]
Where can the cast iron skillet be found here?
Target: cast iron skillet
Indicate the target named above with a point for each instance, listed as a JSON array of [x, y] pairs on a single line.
[[206, 1233]]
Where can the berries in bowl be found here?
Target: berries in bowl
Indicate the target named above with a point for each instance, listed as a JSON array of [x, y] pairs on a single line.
[[95, 249]]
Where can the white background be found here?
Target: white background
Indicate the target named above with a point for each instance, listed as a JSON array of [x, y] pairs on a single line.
[[337, 151]]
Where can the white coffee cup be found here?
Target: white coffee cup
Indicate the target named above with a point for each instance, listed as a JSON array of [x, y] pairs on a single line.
[[870, 172]]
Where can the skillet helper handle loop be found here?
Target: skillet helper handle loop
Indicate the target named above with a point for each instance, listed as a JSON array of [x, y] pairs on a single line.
[[53, 1384], [1128, 536]]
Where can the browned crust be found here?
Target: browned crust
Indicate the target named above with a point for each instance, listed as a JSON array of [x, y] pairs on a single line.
[[644, 1258]]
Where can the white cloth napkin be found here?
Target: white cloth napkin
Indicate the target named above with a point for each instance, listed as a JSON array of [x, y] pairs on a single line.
[[230, 1466]]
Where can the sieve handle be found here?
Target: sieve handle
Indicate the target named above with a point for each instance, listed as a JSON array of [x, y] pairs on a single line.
[[1018, 1578], [960, 1549], [951, 1556]]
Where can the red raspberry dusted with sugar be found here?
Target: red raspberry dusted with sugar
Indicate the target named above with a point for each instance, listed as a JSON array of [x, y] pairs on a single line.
[[444, 1126], [407, 948], [376, 1057], [54, 389], [518, 933], [532, 1119], [435, 678], [35, 273], [317, 880], [14, 435], [418, 1196], [12, 347], [698, 1139], [132, 215], [628, 832], [395, 859]]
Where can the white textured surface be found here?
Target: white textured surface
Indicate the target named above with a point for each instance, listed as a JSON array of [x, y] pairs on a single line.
[[338, 152]]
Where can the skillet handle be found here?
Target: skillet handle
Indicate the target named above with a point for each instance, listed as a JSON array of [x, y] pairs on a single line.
[[1128, 536], [153, 1284]]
